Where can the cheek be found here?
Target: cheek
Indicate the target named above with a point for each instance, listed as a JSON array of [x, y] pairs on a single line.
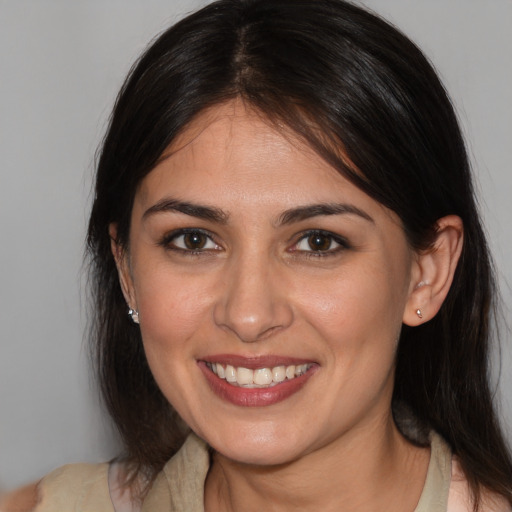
[[172, 308], [172, 317], [358, 317], [361, 301]]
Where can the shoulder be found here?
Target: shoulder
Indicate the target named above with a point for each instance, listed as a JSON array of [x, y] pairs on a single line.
[[23, 499], [446, 487], [180, 485], [459, 497], [72, 487]]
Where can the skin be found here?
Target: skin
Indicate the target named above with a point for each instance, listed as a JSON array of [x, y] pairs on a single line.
[[257, 288]]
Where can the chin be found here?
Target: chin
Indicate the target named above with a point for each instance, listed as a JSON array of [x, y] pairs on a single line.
[[258, 448]]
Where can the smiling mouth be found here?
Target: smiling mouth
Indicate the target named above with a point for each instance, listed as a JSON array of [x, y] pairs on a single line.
[[260, 377]]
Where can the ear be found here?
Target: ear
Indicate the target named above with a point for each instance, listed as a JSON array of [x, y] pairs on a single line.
[[433, 272], [123, 267]]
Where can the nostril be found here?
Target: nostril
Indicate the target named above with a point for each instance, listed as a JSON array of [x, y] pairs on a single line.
[[258, 326], [248, 333], [252, 301], [269, 332]]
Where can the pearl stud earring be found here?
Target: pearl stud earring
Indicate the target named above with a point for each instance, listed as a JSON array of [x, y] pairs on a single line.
[[134, 315]]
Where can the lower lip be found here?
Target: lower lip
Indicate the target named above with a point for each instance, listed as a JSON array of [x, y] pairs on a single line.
[[254, 397]]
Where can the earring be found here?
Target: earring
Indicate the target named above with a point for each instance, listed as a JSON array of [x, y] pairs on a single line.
[[418, 312], [134, 315]]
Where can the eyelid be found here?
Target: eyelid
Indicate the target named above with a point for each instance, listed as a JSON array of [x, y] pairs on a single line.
[[342, 243], [168, 238]]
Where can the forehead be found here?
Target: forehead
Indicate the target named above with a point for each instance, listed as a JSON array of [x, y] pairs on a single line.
[[236, 145], [231, 132], [234, 158]]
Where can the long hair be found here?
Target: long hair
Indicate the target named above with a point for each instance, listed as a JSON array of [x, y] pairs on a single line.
[[347, 83]]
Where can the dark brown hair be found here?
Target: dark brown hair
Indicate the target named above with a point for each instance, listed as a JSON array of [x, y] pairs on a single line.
[[338, 76]]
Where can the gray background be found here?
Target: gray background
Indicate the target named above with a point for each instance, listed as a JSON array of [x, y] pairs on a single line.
[[61, 64]]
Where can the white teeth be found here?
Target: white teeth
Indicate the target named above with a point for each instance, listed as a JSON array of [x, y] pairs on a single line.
[[261, 377], [230, 373], [279, 374], [299, 370], [244, 376]]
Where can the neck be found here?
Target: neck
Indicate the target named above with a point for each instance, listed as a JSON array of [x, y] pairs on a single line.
[[371, 469]]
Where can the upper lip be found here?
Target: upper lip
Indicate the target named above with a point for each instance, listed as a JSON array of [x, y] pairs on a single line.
[[255, 362]]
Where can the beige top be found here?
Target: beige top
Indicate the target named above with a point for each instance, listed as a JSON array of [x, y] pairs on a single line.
[[180, 486]]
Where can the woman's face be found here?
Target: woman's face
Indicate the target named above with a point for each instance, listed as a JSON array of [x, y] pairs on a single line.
[[270, 290]]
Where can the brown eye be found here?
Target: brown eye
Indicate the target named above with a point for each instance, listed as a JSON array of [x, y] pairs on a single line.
[[195, 241], [319, 242]]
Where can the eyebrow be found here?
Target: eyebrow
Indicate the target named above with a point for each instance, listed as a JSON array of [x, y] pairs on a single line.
[[316, 210], [287, 217], [194, 210]]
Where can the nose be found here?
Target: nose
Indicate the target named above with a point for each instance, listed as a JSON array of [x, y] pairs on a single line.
[[252, 303]]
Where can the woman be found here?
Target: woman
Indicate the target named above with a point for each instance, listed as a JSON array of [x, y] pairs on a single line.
[[284, 208]]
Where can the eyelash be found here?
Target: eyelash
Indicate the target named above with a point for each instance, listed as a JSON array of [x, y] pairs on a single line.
[[169, 243], [341, 242]]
